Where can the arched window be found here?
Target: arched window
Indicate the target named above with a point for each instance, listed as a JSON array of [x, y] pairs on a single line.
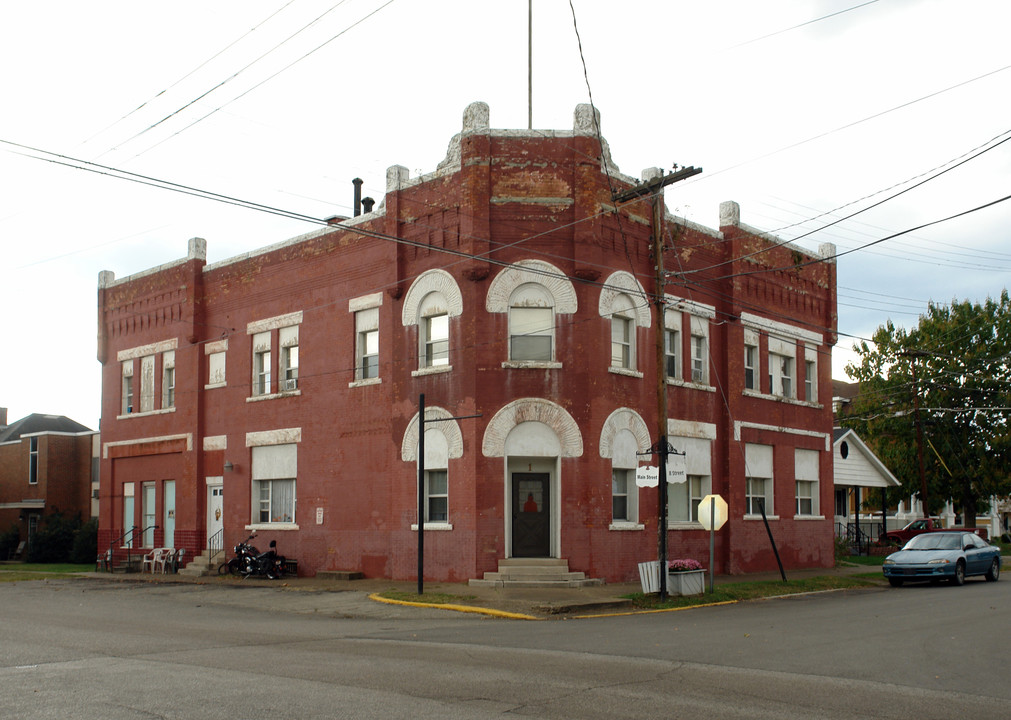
[[624, 305], [531, 324], [433, 298], [533, 293]]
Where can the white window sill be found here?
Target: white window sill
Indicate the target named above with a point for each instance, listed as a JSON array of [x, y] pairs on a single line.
[[627, 372], [808, 517], [272, 526], [364, 383], [780, 398], [677, 382], [759, 517], [684, 525], [273, 396], [149, 413], [434, 370], [622, 525], [433, 526], [531, 365], [213, 386]]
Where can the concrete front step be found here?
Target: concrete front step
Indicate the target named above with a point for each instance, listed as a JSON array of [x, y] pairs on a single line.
[[532, 573], [202, 564]]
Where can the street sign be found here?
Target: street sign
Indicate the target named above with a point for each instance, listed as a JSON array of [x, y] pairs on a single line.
[[712, 512]]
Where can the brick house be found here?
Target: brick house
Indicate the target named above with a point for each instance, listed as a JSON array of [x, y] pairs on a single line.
[[46, 466], [278, 391]]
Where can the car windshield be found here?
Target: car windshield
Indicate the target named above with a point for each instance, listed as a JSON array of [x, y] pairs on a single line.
[[935, 541]]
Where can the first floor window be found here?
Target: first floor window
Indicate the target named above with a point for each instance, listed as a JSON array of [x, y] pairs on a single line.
[[683, 499], [274, 470], [277, 501], [437, 496], [754, 495], [805, 497], [622, 499]]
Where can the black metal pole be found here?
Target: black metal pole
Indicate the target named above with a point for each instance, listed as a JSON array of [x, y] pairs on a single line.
[[662, 515], [421, 494], [775, 550]]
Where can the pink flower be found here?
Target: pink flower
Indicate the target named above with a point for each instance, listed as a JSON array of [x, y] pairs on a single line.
[[683, 565]]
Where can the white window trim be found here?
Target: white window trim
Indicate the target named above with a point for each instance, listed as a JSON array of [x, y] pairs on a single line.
[[282, 436], [215, 348]]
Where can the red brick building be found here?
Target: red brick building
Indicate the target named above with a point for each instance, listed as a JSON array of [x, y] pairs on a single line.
[[278, 391], [46, 466]]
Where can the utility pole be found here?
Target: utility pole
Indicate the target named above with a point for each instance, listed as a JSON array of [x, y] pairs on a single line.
[[914, 355], [653, 189]]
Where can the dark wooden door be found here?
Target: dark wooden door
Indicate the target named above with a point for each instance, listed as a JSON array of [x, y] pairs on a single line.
[[531, 515]]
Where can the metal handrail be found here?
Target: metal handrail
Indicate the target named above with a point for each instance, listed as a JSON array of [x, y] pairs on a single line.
[[215, 544]]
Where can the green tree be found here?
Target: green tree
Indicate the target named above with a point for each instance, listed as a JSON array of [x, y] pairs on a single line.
[[955, 365]]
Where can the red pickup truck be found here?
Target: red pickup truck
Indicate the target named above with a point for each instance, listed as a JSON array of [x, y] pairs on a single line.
[[917, 527]]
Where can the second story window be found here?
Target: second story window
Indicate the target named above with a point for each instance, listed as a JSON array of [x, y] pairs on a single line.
[[435, 331], [127, 393], [261, 363], [751, 360], [672, 344], [168, 379], [367, 344], [33, 461], [289, 358], [531, 324], [699, 359]]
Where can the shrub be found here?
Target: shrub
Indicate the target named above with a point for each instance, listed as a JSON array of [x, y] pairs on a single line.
[[85, 547], [9, 542], [54, 539]]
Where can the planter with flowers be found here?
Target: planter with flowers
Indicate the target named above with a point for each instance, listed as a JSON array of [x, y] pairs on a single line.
[[685, 577]]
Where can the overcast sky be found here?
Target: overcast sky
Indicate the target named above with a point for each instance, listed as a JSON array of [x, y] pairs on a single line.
[[803, 112]]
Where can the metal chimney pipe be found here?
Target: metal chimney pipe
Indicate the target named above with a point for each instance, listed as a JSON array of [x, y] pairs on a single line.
[[368, 203], [358, 195]]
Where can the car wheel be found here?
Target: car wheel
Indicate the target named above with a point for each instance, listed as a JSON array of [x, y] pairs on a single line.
[[994, 572], [959, 577], [895, 582]]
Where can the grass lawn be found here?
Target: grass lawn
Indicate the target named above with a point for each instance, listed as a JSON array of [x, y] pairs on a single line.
[[736, 592], [17, 572]]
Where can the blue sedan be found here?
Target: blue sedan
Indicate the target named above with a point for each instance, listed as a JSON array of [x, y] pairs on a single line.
[[936, 556]]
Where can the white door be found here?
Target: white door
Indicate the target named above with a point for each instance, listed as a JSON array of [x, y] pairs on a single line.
[[168, 523], [215, 511]]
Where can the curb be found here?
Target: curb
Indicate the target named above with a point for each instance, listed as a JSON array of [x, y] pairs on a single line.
[[457, 608]]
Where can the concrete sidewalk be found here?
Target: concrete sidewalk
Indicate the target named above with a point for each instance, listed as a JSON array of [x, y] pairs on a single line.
[[531, 602]]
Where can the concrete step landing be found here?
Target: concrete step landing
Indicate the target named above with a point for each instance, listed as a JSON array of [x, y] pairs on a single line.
[[534, 573]]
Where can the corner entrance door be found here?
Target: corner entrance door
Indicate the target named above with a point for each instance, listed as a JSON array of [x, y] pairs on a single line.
[[531, 516]]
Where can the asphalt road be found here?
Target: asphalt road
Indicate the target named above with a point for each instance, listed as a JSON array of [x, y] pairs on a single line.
[[99, 649]]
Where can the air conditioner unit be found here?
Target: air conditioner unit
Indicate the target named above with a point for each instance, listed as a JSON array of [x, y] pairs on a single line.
[[290, 384], [94, 494]]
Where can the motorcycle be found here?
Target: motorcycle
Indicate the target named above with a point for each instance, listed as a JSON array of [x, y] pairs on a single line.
[[268, 564], [249, 561]]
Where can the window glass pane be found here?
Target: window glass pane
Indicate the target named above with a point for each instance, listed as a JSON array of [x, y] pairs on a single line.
[[437, 482], [535, 349], [530, 321]]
